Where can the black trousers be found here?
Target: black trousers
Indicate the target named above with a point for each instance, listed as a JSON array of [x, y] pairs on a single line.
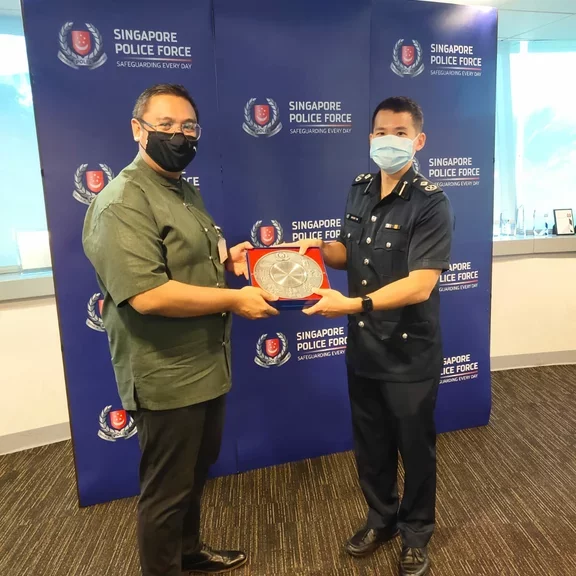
[[178, 447], [387, 418]]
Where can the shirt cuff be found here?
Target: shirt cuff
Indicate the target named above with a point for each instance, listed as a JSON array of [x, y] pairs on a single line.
[[120, 297], [428, 264]]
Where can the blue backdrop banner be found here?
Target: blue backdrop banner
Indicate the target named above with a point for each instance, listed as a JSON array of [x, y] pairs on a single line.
[[294, 125], [285, 92]]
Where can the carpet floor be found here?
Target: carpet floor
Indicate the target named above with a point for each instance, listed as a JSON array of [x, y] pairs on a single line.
[[506, 503]]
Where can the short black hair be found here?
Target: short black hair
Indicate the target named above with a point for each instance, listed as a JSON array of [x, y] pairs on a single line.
[[161, 90], [401, 104]]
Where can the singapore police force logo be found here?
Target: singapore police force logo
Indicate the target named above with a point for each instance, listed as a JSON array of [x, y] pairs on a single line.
[[115, 425], [261, 119], [88, 183], [272, 351], [94, 309], [81, 48], [265, 236], [407, 59]]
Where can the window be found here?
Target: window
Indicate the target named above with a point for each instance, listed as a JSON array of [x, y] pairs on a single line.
[[22, 215], [535, 134]]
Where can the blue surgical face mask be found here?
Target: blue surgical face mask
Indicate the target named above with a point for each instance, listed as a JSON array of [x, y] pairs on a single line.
[[391, 153]]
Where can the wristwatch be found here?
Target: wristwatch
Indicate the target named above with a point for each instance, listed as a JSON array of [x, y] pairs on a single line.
[[367, 304]]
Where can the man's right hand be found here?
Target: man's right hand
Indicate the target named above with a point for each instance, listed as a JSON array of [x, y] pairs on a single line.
[[252, 303]]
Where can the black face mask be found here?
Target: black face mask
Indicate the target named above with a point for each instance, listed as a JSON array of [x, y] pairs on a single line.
[[172, 152]]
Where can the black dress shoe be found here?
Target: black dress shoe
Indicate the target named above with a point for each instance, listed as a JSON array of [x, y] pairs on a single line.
[[209, 561], [368, 540], [414, 562]]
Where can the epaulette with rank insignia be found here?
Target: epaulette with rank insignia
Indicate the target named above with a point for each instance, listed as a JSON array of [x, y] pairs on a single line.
[[426, 186], [362, 179]]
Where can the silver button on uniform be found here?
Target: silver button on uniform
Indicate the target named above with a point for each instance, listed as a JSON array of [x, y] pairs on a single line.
[[366, 261], [374, 218], [361, 324], [405, 336], [388, 245], [348, 235], [368, 240], [364, 282]]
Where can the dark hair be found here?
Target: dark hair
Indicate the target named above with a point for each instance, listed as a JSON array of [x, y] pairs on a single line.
[[401, 104], [160, 90]]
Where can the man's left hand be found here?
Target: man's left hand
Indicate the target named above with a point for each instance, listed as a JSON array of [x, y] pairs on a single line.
[[334, 304], [236, 262]]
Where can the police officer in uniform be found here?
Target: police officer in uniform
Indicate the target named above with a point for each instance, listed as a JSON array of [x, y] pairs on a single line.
[[395, 242]]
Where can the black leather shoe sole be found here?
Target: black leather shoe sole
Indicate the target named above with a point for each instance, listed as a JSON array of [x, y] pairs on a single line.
[[238, 564], [367, 550]]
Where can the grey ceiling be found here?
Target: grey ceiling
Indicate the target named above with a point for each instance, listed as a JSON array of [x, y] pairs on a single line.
[[531, 19], [519, 19]]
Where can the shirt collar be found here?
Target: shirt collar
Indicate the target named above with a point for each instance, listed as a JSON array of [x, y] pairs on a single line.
[[148, 171], [401, 189]]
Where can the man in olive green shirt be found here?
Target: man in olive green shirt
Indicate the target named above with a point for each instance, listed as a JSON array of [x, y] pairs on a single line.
[[160, 261]]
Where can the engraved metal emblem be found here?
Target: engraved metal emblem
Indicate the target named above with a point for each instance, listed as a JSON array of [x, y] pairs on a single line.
[[287, 274]]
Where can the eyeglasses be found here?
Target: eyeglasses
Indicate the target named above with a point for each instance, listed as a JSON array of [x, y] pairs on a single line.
[[191, 130]]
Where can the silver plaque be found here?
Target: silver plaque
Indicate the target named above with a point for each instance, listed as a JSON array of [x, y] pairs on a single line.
[[287, 274]]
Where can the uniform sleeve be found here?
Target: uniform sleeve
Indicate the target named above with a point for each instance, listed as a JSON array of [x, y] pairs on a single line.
[[432, 238], [125, 248]]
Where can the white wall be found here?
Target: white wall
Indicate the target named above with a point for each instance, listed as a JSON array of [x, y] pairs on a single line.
[[533, 312], [32, 391], [533, 304]]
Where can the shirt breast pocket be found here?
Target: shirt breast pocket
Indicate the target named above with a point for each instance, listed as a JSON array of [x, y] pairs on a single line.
[[391, 253]]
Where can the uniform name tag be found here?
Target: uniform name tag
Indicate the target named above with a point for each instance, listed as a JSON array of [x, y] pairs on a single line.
[[392, 226], [354, 218]]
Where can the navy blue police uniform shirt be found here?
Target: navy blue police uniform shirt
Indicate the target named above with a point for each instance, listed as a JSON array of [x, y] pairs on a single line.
[[386, 239]]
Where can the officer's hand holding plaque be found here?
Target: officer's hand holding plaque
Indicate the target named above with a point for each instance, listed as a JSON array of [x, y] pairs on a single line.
[[284, 272]]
